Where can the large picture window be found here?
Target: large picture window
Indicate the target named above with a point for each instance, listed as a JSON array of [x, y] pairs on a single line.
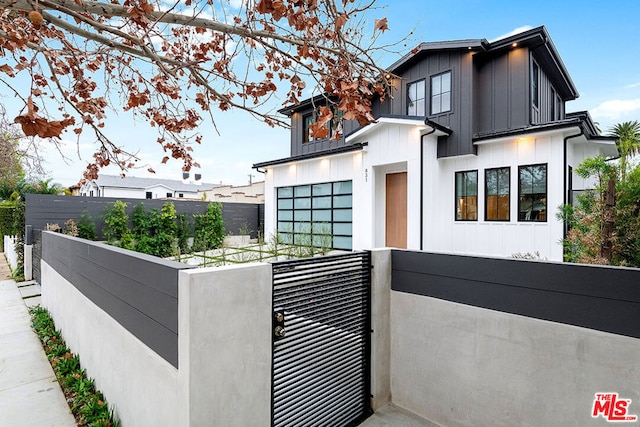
[[416, 99], [467, 196], [532, 193], [496, 182], [441, 93], [317, 215]]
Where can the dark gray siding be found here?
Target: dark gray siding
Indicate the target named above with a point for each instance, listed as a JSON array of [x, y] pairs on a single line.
[[139, 291], [595, 297], [542, 114], [43, 209], [459, 118], [502, 92], [299, 147]]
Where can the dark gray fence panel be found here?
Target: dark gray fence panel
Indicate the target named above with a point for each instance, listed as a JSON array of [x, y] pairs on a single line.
[[36, 255], [43, 209], [596, 297], [139, 291]]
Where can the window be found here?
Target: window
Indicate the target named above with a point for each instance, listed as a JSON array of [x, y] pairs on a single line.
[[416, 99], [441, 93], [552, 105], [334, 125], [467, 196], [148, 195], [318, 215], [181, 195], [169, 195], [496, 182], [532, 193], [535, 83], [91, 193], [558, 109]]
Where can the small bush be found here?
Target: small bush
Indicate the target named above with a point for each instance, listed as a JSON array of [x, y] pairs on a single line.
[[116, 225], [86, 227], [209, 228]]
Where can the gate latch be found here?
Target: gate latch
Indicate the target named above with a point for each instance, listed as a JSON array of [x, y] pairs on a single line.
[[278, 324]]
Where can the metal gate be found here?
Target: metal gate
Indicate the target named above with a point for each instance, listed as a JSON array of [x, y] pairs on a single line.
[[321, 346]]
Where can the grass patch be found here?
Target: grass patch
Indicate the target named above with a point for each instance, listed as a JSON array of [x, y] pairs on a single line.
[[87, 404]]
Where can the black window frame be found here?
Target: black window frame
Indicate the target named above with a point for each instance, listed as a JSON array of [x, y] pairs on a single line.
[[487, 194], [433, 94], [552, 105], [411, 102], [335, 124], [546, 193], [535, 84], [148, 195], [457, 197]]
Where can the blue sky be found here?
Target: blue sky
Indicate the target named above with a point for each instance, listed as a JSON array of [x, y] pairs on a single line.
[[598, 42]]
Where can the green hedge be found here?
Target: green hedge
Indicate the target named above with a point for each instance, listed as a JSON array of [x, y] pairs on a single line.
[[7, 227]]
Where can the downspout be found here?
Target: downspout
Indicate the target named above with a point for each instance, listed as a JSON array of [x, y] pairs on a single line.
[[433, 129], [565, 167]]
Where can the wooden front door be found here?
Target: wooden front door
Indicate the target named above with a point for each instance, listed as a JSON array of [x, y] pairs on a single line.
[[396, 210]]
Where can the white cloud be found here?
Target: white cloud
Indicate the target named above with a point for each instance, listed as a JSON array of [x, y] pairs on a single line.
[[631, 86], [616, 108], [513, 32]]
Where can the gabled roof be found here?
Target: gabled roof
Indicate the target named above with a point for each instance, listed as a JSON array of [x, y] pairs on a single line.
[[134, 182], [536, 39]]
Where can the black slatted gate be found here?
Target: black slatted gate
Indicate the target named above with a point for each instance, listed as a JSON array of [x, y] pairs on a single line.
[[321, 342]]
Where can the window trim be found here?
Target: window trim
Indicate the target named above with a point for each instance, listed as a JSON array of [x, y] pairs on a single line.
[[424, 96], [455, 196], [432, 94], [486, 194], [546, 191]]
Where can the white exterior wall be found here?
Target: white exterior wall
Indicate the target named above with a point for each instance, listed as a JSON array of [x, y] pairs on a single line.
[[495, 238], [395, 147]]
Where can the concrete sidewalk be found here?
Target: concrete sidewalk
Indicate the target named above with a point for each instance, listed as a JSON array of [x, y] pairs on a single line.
[[29, 392]]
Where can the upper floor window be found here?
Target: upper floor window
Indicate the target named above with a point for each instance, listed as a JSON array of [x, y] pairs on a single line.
[[532, 193], [552, 105], [558, 109], [467, 196], [441, 93], [416, 99], [333, 126], [535, 84], [497, 188]]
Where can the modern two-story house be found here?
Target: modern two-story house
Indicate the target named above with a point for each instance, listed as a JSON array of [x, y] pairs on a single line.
[[473, 154]]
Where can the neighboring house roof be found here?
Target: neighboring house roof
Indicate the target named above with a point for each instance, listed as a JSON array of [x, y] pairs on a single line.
[[133, 182]]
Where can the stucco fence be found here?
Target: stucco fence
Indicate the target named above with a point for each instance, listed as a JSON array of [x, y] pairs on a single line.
[[172, 345], [10, 251]]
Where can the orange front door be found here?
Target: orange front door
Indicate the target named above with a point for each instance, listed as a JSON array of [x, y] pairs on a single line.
[[396, 210]]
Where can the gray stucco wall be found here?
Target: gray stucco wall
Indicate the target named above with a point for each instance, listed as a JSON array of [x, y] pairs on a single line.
[[139, 291], [500, 342]]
